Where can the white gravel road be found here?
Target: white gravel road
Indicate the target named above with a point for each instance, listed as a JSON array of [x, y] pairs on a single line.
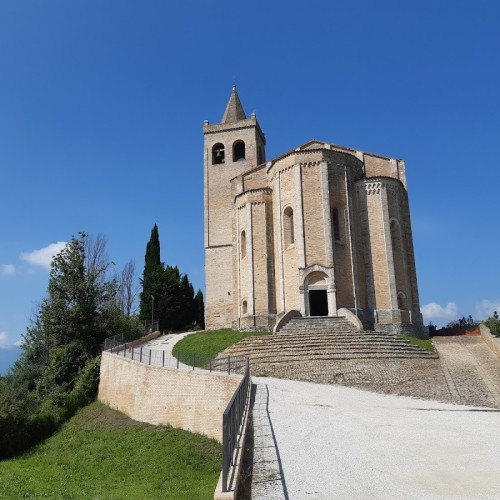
[[337, 442]]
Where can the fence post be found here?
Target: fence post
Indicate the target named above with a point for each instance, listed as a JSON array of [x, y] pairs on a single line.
[[140, 356], [163, 362], [229, 365], [149, 357], [210, 365], [178, 354], [125, 350], [194, 358], [133, 349]]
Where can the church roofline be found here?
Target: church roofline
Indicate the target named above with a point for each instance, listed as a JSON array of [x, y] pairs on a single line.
[[322, 145]]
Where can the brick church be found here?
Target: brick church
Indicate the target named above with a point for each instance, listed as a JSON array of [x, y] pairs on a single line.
[[318, 230]]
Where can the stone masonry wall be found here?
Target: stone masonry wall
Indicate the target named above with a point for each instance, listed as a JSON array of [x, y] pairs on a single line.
[[191, 400]]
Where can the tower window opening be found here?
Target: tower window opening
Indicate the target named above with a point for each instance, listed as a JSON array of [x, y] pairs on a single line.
[[402, 301], [244, 307], [218, 154], [260, 159], [243, 244], [239, 151], [288, 229]]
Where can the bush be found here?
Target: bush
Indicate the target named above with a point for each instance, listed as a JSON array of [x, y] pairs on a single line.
[[26, 421], [87, 384], [493, 323]]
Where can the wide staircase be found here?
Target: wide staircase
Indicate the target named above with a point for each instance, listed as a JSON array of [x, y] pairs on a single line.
[[323, 339]]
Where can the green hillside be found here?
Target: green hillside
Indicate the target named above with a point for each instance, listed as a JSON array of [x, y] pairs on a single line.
[[102, 454]]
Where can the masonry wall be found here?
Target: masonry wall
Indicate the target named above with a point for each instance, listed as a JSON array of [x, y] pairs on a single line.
[[194, 401], [289, 253], [314, 234], [342, 246], [219, 287]]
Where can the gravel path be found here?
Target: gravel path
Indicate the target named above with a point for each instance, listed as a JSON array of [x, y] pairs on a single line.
[[161, 351], [336, 442], [471, 369]]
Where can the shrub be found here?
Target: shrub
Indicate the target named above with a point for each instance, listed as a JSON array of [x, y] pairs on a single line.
[[87, 384], [493, 323]]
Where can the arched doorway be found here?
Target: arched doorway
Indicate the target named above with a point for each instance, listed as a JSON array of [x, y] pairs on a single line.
[[317, 298]]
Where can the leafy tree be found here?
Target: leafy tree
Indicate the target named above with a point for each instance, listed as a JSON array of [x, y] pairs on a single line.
[[58, 371], [127, 289]]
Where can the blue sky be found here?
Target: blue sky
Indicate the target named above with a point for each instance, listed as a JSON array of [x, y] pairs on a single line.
[[102, 105]]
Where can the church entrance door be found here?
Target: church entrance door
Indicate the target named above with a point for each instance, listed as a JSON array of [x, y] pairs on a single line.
[[318, 303]]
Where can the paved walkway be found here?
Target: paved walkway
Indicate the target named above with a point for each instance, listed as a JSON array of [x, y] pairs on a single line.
[[471, 370], [333, 442], [161, 351]]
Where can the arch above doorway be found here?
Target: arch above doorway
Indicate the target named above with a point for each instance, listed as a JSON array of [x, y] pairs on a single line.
[[318, 294]]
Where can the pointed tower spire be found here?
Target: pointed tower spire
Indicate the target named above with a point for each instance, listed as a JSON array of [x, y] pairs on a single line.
[[234, 110]]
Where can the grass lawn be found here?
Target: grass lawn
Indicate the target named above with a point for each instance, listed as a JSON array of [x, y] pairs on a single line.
[[102, 454], [208, 343], [425, 344]]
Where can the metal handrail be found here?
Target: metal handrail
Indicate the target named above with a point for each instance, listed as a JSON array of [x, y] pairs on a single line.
[[232, 420]]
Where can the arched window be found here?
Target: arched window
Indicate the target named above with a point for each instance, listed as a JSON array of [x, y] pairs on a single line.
[[336, 224], [244, 308], [288, 229], [243, 244], [218, 154], [238, 151]]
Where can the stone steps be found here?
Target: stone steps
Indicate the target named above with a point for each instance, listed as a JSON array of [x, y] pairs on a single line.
[[324, 324], [321, 349], [314, 339]]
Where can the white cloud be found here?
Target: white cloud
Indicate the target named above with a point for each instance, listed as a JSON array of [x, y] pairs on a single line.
[[4, 340], [6, 343], [434, 311], [486, 307], [8, 269], [44, 256]]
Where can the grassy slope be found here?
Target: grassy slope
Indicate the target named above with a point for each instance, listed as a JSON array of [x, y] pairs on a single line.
[[211, 342], [101, 453], [425, 344]]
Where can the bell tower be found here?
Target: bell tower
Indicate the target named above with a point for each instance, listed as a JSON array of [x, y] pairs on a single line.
[[231, 147]]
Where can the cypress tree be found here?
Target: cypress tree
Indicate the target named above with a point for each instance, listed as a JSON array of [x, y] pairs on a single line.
[[200, 309], [152, 278]]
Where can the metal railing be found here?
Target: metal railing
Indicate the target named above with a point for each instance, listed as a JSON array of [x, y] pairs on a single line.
[[157, 357], [235, 412], [114, 341], [232, 421]]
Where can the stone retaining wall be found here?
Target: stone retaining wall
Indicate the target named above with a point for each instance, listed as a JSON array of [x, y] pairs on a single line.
[[190, 400]]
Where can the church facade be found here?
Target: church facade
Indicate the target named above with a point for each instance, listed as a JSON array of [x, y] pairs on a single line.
[[316, 229]]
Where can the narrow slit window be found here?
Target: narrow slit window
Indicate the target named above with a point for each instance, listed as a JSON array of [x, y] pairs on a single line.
[[288, 228], [243, 244], [335, 224]]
